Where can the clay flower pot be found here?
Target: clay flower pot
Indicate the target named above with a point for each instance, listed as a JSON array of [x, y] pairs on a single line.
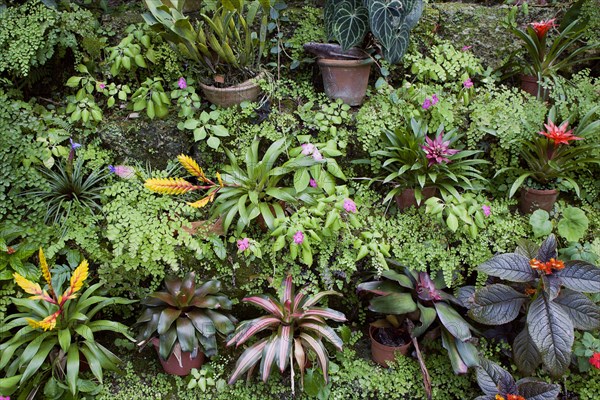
[[529, 84], [535, 199], [407, 197], [233, 95], [173, 365], [381, 353], [346, 79]]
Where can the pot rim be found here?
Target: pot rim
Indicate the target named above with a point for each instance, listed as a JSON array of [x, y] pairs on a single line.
[[247, 84], [540, 191], [334, 62], [372, 329]]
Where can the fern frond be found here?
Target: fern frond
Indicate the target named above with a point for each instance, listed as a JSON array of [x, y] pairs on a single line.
[[192, 166], [169, 185]]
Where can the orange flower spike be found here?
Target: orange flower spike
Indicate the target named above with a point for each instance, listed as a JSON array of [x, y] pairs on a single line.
[[499, 397], [536, 264], [45, 271], [192, 167], [556, 265], [169, 185], [27, 285], [79, 276], [47, 324], [515, 397]]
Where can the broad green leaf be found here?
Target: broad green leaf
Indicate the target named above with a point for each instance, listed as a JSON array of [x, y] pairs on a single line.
[[301, 180], [64, 339], [452, 321], [73, 368], [540, 223], [393, 303], [573, 224]]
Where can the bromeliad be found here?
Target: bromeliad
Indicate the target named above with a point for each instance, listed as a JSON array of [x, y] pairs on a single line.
[[297, 326]]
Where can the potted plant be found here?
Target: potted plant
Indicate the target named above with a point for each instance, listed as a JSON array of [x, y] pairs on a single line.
[[222, 43], [544, 61], [345, 68], [550, 156], [551, 294], [417, 165], [53, 335], [186, 321], [296, 326], [415, 296]]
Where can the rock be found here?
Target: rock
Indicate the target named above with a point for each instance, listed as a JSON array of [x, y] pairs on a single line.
[[480, 26], [156, 142]]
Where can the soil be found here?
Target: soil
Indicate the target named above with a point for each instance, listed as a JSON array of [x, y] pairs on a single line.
[[391, 337]]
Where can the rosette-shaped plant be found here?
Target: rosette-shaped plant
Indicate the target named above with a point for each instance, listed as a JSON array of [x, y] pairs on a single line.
[[498, 384], [548, 291], [296, 324], [412, 292], [185, 317]]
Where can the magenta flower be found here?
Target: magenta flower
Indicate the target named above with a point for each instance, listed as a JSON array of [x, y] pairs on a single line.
[[312, 183], [434, 99], [437, 150], [350, 206], [122, 171], [426, 104], [468, 83], [466, 48], [101, 85], [299, 237], [308, 149], [487, 210], [182, 83], [317, 155], [243, 244], [4, 398]]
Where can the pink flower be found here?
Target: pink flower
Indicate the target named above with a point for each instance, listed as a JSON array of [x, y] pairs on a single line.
[[541, 28], [468, 83], [243, 244], [4, 398], [299, 237], [426, 104], [308, 149], [487, 210], [434, 99], [101, 85], [437, 150], [122, 171], [350, 206], [317, 155], [312, 183], [466, 48], [182, 83]]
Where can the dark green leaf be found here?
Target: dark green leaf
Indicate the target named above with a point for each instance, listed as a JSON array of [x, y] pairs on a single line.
[[525, 354], [496, 304], [512, 267], [394, 303], [584, 313], [580, 276]]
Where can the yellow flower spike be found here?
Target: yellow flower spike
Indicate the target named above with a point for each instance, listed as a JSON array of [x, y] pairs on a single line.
[[192, 166], [45, 270], [79, 276], [27, 285], [202, 202], [47, 324], [169, 185], [219, 179]]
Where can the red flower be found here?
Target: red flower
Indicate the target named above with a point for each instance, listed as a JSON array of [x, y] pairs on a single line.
[[546, 267], [559, 134], [541, 28], [595, 360]]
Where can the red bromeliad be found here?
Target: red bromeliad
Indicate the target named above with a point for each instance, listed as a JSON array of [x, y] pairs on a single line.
[[296, 326], [541, 28], [559, 134]]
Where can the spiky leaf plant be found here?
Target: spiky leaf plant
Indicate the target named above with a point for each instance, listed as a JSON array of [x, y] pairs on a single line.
[[296, 326]]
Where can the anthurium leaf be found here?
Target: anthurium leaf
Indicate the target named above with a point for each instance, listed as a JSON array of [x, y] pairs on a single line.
[[547, 249], [551, 330], [580, 276], [584, 313], [540, 223], [492, 378], [456, 325], [511, 266], [393, 303], [533, 389], [496, 304], [350, 24], [573, 224], [525, 354]]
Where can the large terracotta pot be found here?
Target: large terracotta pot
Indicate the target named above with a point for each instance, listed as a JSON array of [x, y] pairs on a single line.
[[346, 79], [407, 197], [529, 84], [382, 354], [233, 95], [535, 199], [172, 366]]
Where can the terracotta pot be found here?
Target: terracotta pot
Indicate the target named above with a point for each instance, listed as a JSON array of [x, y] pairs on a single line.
[[233, 95], [407, 197], [529, 84], [346, 79], [382, 354], [534, 199], [172, 366]]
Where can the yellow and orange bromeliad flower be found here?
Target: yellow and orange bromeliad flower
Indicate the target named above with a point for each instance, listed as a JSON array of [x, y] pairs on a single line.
[[76, 283], [181, 186], [547, 267]]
